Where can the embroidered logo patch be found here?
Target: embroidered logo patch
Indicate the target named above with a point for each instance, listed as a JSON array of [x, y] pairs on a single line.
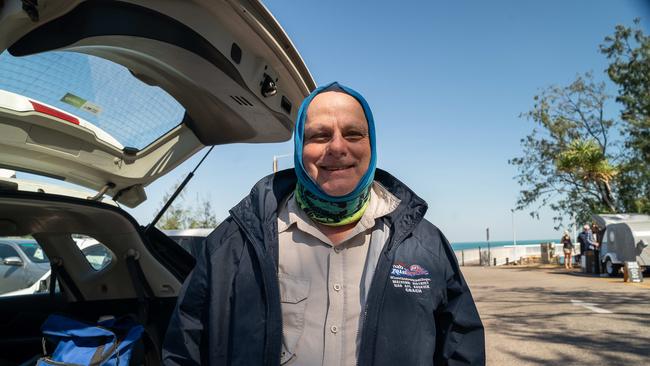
[[412, 278]]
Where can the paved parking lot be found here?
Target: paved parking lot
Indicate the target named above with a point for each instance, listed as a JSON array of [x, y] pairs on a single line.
[[538, 316]]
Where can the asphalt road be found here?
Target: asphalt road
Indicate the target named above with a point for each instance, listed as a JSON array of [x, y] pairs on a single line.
[[536, 316]]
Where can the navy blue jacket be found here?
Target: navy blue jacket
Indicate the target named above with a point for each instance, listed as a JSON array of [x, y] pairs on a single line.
[[228, 311], [586, 241]]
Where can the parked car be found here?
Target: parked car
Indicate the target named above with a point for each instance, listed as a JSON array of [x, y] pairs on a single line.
[[22, 263], [110, 96], [97, 255], [190, 239], [626, 239]]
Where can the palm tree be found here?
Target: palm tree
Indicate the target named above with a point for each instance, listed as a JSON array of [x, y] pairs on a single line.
[[585, 160]]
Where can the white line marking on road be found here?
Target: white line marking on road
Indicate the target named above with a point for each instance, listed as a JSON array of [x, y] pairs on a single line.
[[590, 306]]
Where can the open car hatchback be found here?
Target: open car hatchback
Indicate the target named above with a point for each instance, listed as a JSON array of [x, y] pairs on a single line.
[[110, 96]]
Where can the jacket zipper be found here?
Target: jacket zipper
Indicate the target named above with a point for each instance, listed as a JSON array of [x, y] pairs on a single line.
[[391, 247], [264, 279], [363, 324]]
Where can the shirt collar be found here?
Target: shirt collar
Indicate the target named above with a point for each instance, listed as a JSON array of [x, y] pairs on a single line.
[[382, 203]]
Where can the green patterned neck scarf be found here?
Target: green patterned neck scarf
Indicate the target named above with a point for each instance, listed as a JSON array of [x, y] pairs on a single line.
[[332, 213]]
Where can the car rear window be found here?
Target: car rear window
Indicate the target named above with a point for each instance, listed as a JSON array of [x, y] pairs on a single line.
[[34, 252], [102, 92], [96, 253]]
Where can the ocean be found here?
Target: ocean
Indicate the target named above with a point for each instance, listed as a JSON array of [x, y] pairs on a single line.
[[494, 244]]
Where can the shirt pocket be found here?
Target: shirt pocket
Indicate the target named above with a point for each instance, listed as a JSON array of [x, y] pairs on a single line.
[[293, 297]]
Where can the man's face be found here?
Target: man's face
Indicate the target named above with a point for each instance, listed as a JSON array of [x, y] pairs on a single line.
[[336, 148]]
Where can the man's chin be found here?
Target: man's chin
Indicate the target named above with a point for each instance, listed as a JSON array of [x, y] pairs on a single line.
[[338, 189]]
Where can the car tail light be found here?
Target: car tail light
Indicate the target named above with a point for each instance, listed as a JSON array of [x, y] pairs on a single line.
[[38, 107]]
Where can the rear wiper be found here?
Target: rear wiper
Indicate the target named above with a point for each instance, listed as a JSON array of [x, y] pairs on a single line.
[[176, 192]]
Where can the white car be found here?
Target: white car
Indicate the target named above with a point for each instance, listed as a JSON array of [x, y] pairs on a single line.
[[190, 239], [110, 96], [96, 254]]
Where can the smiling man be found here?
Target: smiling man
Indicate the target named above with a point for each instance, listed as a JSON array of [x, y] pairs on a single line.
[[330, 263]]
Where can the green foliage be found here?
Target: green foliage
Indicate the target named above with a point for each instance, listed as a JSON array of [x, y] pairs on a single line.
[[173, 219], [203, 216], [180, 216], [568, 153], [175, 216], [628, 50], [570, 162], [585, 160]]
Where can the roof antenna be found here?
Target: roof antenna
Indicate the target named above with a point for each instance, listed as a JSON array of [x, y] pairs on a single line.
[[176, 193]]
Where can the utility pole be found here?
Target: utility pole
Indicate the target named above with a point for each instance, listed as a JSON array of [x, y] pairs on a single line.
[[275, 161], [487, 234], [514, 232]]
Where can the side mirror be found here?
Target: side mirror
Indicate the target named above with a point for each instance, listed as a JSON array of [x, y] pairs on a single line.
[[13, 261]]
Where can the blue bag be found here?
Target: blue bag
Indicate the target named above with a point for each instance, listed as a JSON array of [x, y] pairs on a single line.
[[109, 342]]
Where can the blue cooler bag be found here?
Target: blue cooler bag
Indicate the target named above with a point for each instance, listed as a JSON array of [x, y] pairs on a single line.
[[108, 342]]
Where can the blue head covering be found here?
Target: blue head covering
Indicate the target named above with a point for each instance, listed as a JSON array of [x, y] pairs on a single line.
[[299, 132]]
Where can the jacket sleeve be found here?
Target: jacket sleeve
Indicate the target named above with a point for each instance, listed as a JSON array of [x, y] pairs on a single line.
[[185, 333], [460, 334]]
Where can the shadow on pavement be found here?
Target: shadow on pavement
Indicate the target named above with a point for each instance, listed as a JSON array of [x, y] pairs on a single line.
[[564, 336]]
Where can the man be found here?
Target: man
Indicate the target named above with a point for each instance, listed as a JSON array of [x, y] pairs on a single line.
[[330, 263], [597, 235], [587, 242], [586, 239]]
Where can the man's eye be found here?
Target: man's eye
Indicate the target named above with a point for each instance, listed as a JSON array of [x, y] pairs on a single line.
[[354, 136], [319, 137]]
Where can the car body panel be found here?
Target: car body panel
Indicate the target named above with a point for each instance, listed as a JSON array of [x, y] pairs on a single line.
[[54, 220], [15, 277], [626, 238], [27, 185], [96, 254], [214, 58], [235, 77], [190, 239]]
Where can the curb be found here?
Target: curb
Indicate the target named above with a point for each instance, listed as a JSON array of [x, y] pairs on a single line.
[[592, 275]]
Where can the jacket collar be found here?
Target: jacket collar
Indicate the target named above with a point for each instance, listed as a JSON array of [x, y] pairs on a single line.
[[258, 211]]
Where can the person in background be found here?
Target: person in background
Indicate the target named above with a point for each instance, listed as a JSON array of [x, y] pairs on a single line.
[[598, 237], [597, 232], [567, 247], [586, 240]]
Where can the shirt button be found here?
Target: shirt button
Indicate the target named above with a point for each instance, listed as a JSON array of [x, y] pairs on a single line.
[[338, 249], [334, 329], [337, 287]]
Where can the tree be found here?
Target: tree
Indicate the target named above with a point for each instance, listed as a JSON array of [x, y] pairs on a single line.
[[174, 219], [176, 216], [584, 160], [179, 216], [628, 50], [203, 215], [570, 163], [567, 160]]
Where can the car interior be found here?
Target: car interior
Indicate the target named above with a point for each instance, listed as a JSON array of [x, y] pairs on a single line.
[[88, 294], [110, 96]]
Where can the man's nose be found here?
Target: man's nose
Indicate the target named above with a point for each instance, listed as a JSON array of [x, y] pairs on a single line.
[[337, 145]]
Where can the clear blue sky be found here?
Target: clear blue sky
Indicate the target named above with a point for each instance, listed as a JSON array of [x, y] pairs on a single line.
[[446, 81]]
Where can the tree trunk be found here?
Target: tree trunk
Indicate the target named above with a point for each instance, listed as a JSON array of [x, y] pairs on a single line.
[[606, 196]]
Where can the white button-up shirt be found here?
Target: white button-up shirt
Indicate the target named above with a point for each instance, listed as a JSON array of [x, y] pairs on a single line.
[[322, 287]]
